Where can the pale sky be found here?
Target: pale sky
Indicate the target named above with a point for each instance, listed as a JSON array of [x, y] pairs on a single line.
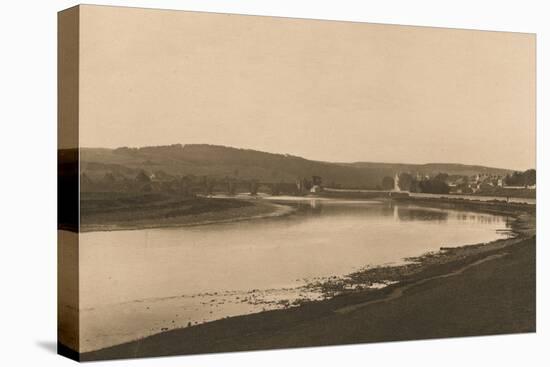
[[333, 91]]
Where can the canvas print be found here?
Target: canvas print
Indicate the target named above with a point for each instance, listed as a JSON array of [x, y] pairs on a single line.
[[235, 183]]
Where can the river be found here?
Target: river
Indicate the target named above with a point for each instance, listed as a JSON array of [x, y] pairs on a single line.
[[140, 282]]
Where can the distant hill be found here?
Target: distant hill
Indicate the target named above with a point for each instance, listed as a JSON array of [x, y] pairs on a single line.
[[221, 161], [432, 168]]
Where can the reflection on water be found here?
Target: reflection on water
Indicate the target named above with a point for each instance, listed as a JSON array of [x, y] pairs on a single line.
[[399, 212], [137, 283], [419, 214]]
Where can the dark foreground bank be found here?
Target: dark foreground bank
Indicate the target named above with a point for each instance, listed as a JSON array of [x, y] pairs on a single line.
[[487, 293]]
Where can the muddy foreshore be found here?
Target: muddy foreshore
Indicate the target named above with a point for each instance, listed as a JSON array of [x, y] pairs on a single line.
[[351, 296], [258, 210]]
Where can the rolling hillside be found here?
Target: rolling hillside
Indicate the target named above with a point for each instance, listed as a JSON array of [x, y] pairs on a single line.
[[221, 161]]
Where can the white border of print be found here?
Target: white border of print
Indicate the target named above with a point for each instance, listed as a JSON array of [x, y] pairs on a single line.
[[28, 205]]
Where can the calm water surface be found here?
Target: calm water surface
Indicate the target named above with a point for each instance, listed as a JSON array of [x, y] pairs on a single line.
[[137, 283]]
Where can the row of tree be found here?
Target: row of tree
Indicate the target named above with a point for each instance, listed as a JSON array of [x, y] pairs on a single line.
[[190, 185], [407, 182], [527, 178]]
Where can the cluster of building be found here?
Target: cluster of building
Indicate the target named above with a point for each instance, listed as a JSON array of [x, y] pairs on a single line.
[[481, 182], [315, 185]]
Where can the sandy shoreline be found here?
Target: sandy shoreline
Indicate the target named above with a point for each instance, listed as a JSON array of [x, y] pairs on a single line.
[[350, 292]]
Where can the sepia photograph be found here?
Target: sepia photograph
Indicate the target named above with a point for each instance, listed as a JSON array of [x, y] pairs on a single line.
[[235, 183]]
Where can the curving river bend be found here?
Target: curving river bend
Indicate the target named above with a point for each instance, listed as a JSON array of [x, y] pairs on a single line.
[[141, 282]]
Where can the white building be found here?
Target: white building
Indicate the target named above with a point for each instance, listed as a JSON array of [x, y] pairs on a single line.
[[315, 189]]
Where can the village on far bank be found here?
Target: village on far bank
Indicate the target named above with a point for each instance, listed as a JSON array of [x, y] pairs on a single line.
[[481, 183], [520, 184]]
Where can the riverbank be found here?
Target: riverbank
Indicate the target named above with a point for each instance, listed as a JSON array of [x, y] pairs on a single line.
[[381, 194], [470, 290], [154, 211]]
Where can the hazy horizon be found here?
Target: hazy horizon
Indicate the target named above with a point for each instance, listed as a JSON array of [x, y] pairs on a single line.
[[322, 90]]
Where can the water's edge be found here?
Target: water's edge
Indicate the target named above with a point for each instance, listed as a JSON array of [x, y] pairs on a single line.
[[369, 279]]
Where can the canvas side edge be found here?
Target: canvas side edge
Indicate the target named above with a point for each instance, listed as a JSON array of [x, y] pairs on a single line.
[[68, 332]]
